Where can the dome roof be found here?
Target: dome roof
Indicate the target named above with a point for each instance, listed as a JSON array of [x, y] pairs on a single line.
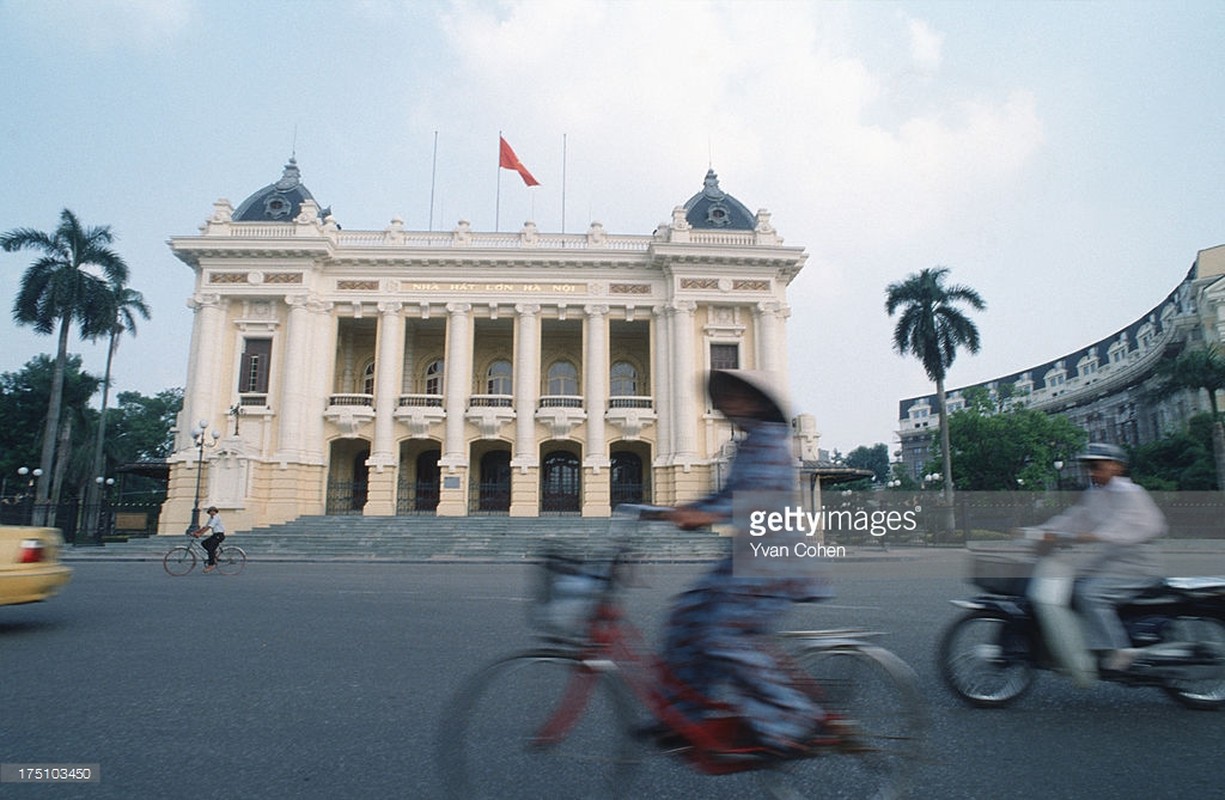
[[277, 202], [714, 208]]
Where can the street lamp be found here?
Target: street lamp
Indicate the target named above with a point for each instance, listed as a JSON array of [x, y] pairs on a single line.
[[103, 494], [30, 476], [201, 441], [34, 474]]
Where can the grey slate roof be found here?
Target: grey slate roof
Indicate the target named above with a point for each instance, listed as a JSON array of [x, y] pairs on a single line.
[[712, 208], [276, 202]]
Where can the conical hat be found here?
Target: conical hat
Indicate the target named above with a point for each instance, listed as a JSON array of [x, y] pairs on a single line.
[[766, 386]]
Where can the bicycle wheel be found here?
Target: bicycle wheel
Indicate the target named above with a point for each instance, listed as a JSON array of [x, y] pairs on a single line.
[[984, 662], [1204, 687], [537, 725], [231, 560], [877, 695], [179, 561]]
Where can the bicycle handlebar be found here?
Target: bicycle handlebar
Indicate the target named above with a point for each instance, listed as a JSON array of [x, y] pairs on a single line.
[[640, 511]]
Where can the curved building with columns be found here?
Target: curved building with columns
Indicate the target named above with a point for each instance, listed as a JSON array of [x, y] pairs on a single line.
[[1107, 388], [454, 373]]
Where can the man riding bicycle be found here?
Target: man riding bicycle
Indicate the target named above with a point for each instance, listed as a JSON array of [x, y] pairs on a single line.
[[213, 526]]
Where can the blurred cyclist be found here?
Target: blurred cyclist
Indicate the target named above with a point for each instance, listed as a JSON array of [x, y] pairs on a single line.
[[714, 635], [1121, 520]]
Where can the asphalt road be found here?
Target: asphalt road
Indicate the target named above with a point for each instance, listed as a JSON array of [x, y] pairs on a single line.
[[327, 681]]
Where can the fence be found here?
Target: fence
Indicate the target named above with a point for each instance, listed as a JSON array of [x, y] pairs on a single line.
[[923, 518], [81, 523]]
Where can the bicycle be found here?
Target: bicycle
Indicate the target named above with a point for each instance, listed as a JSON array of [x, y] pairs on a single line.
[[181, 559], [564, 720]]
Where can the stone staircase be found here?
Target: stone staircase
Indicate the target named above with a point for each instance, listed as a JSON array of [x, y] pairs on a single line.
[[423, 539]]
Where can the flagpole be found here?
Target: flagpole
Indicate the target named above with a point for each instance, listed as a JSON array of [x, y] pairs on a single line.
[[433, 176], [497, 207], [563, 184]]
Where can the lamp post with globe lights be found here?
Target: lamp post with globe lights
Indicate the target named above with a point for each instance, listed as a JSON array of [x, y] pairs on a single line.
[[30, 477], [103, 509], [200, 435]]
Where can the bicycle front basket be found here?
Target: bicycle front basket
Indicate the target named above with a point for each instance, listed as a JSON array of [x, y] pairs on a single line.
[[1001, 573], [567, 592]]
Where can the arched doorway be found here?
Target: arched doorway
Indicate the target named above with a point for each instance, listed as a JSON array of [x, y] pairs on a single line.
[[417, 492], [348, 477], [560, 483], [626, 475], [493, 483], [426, 485]]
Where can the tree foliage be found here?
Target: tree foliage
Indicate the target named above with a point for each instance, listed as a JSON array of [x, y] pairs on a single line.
[[69, 282], [126, 304], [875, 459], [24, 396], [1010, 450], [1197, 369], [1179, 462], [142, 426], [931, 328]]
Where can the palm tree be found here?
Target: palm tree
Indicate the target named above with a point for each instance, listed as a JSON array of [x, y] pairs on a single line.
[[931, 328], [61, 287], [1193, 370], [126, 304]]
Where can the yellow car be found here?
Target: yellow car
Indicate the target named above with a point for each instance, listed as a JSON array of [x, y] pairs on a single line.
[[30, 568]]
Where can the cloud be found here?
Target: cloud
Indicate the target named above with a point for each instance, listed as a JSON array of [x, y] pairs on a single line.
[[925, 45], [764, 90]]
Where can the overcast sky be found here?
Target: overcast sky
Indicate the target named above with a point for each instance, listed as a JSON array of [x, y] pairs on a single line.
[[1064, 159]]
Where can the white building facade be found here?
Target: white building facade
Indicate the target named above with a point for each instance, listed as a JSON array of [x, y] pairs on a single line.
[[453, 373], [1107, 388]]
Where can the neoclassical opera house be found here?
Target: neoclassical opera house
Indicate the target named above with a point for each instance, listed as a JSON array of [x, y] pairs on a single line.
[[385, 372]]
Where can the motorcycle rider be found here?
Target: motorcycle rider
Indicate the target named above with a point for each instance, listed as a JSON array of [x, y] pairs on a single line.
[[1120, 520]]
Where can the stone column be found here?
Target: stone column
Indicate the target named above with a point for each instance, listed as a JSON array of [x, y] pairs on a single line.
[[453, 494], [596, 487], [525, 459], [206, 377], [295, 378], [200, 401], [686, 365], [771, 345], [684, 383], [383, 459], [321, 368], [661, 382]]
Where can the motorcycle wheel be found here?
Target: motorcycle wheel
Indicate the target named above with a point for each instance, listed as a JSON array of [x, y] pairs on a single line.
[[983, 663], [1206, 692]]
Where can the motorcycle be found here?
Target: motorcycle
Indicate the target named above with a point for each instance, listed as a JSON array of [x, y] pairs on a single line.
[[1022, 621]]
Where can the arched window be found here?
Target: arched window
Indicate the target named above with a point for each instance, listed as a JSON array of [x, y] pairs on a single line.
[[433, 377], [498, 378], [368, 378], [623, 380], [563, 379]]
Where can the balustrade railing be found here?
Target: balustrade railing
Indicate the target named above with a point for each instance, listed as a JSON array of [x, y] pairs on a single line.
[[351, 400]]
